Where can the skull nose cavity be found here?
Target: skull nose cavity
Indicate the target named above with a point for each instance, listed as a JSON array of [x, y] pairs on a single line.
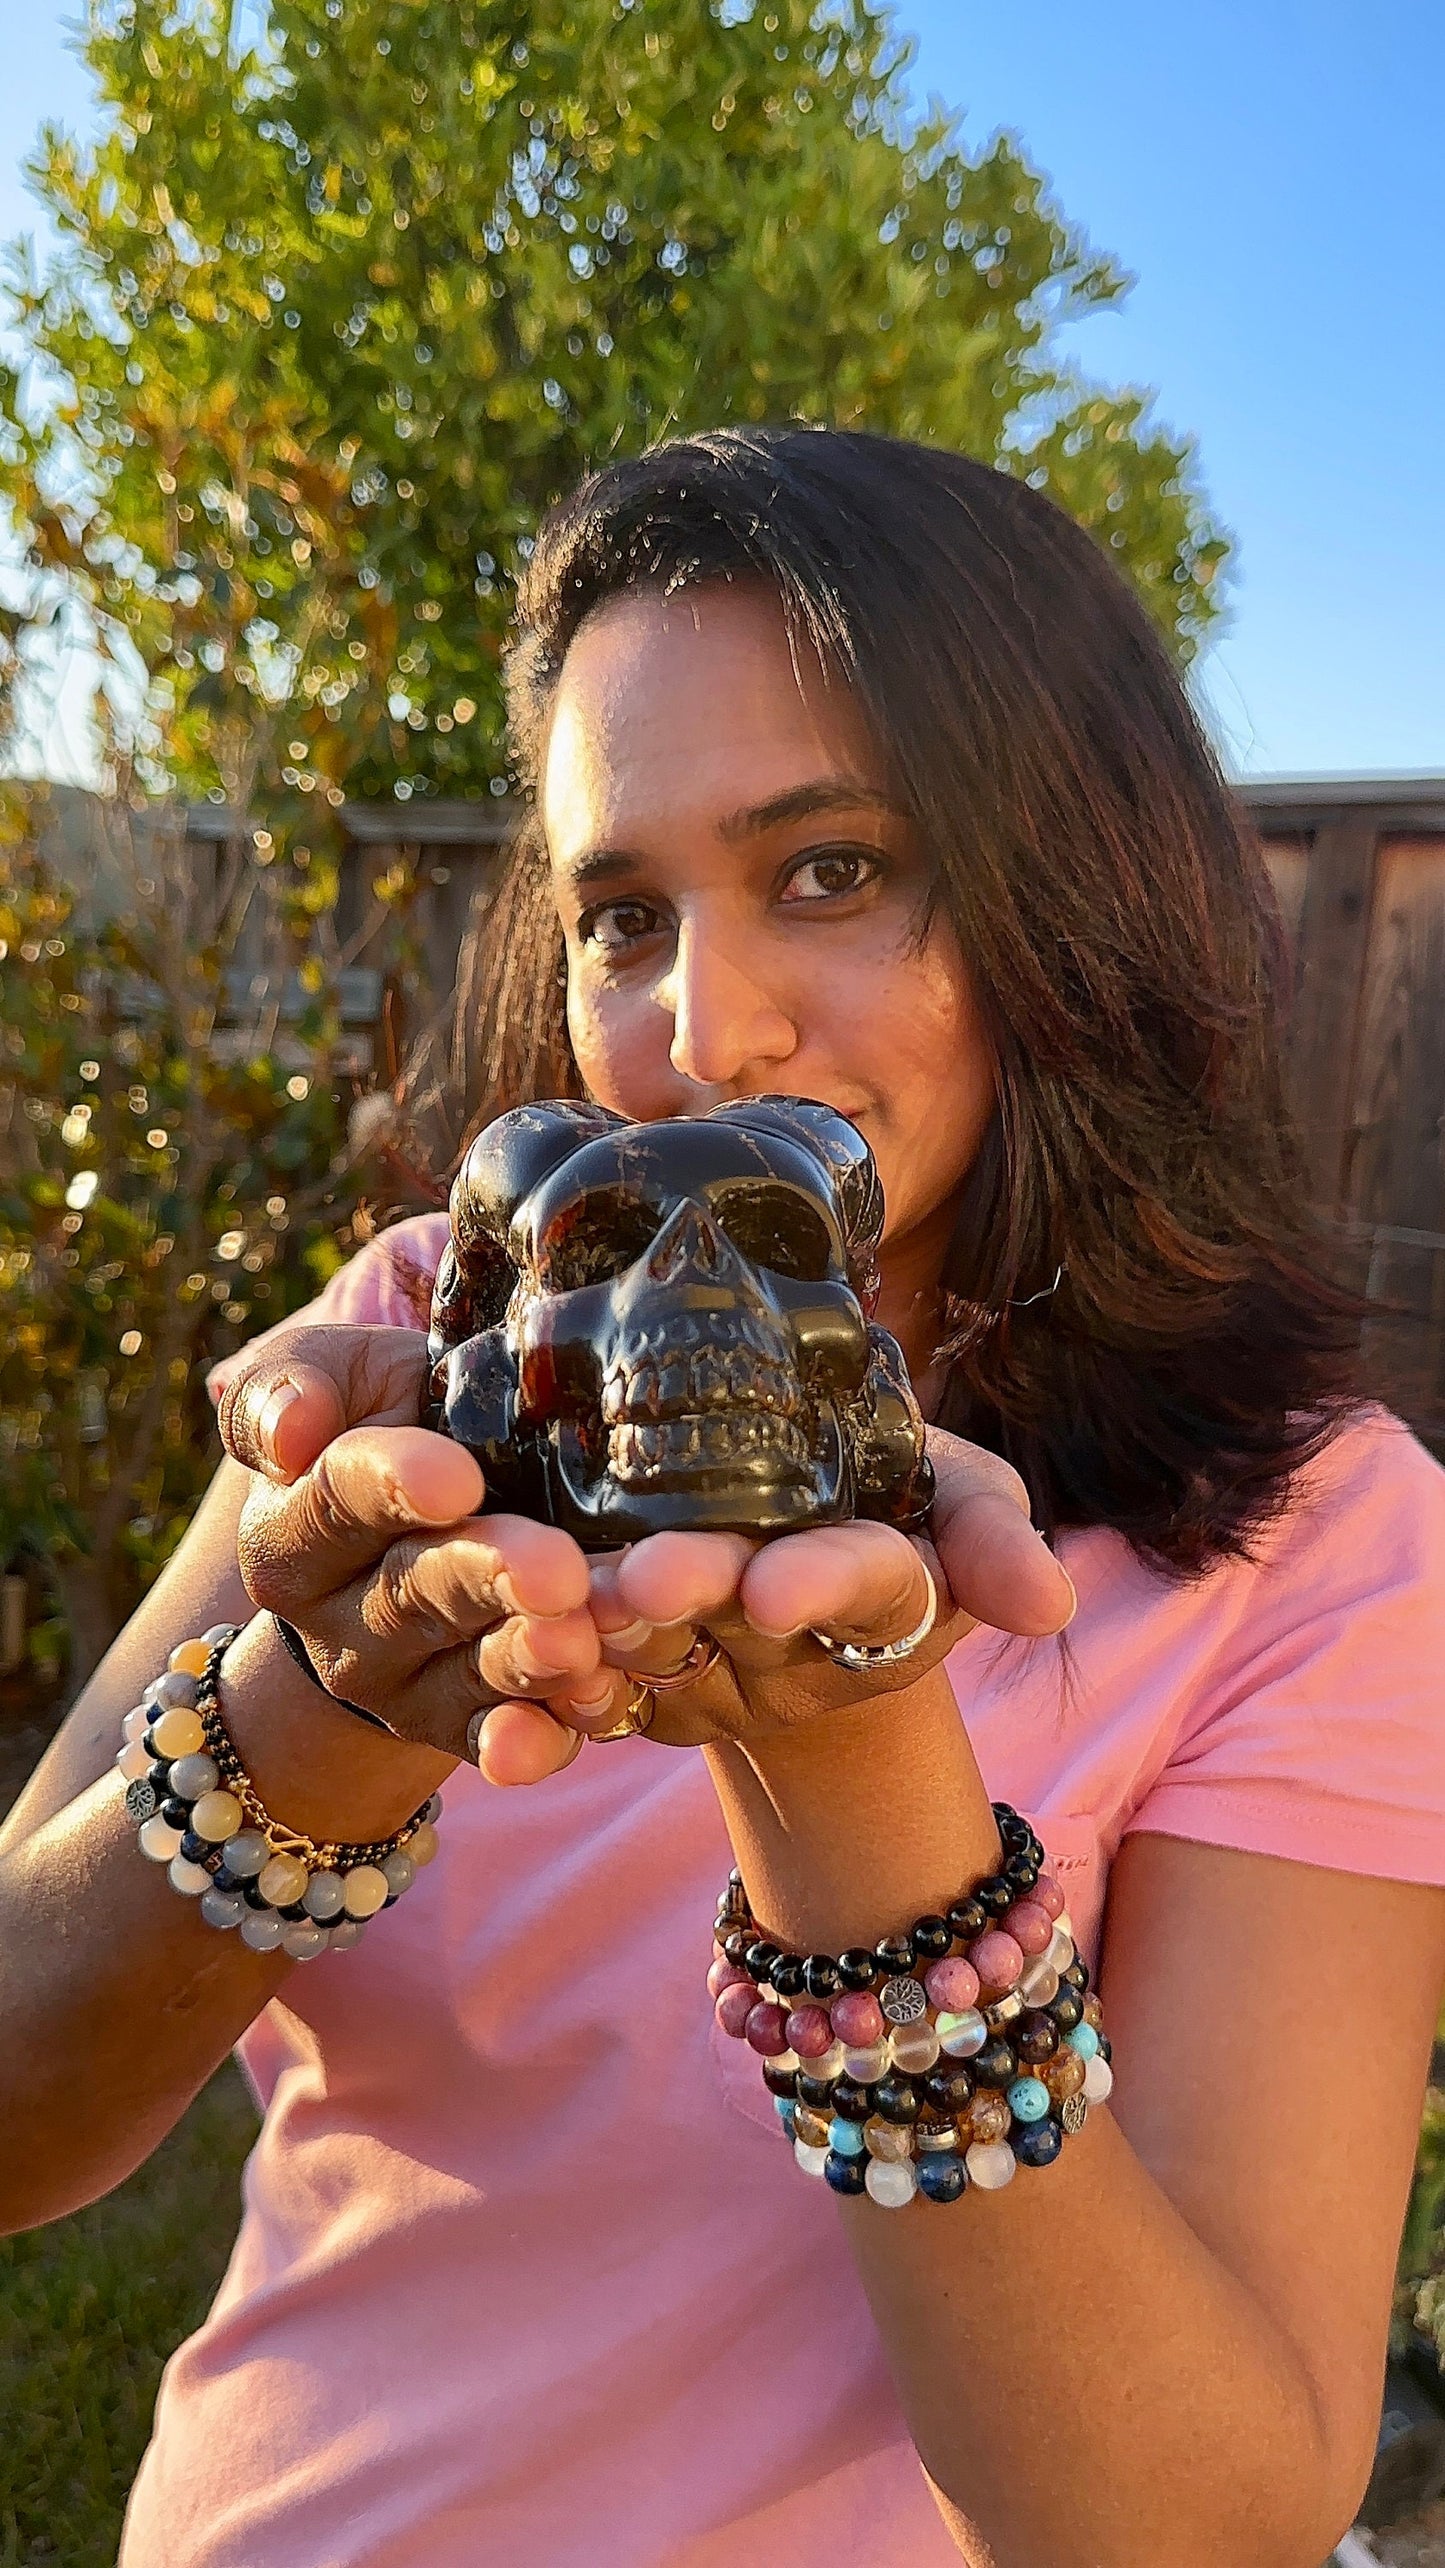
[[688, 1242]]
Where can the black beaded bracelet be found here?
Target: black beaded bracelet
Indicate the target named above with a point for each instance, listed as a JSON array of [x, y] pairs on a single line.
[[791, 1977]]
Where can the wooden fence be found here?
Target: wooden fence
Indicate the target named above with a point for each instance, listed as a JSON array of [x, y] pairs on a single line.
[[1359, 866]]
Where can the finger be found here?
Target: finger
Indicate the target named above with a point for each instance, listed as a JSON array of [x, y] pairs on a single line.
[[371, 1487], [859, 1582], [521, 1656], [999, 1569], [521, 1743], [278, 1413], [672, 1580]]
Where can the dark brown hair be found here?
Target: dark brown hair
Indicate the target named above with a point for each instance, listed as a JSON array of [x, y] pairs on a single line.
[[1117, 918]]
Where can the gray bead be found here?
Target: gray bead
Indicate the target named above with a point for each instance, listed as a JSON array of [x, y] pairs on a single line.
[[400, 1872], [303, 1940], [173, 1688], [325, 1895], [262, 1929], [345, 1932], [223, 1908], [193, 1775], [246, 1853]]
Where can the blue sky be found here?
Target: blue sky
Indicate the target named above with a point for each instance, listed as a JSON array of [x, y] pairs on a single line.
[[1271, 174]]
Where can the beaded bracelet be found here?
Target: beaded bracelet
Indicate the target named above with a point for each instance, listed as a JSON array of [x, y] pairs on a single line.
[[199, 1813], [913, 2068]]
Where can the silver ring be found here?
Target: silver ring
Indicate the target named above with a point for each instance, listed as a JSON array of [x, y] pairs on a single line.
[[703, 1655], [638, 1717], [859, 1659]]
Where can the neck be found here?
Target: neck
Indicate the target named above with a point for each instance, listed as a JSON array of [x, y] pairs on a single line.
[[910, 1300]]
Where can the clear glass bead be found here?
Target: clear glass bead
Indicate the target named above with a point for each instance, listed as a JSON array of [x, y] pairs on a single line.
[[891, 2183], [325, 1895], [961, 2035], [866, 2063], [1040, 1983], [246, 1852], [1061, 1950], [223, 1908], [914, 2048], [262, 1929], [193, 1775]]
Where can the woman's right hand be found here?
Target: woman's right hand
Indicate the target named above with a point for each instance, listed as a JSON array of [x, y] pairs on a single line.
[[361, 1530]]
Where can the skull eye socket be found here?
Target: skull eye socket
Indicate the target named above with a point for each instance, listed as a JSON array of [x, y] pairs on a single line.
[[774, 1227], [596, 1240]]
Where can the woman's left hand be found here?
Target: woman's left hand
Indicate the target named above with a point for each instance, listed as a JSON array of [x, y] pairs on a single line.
[[761, 1602]]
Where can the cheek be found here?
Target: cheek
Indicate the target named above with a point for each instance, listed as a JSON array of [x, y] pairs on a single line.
[[620, 1046], [938, 1077]]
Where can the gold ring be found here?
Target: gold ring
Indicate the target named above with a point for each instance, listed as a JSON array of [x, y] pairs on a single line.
[[704, 1654], [641, 1705]]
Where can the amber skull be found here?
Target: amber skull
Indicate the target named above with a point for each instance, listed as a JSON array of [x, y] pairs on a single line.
[[643, 1327]]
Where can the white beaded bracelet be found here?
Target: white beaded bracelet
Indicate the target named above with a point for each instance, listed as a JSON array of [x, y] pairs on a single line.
[[198, 1813]]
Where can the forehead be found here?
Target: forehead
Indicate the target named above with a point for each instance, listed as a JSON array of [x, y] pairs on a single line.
[[660, 1162], [694, 703]]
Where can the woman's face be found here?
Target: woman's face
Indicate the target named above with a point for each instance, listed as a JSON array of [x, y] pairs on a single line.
[[742, 899]]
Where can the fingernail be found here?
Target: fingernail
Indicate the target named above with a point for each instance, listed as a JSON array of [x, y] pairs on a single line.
[[1073, 1597], [766, 1631], [597, 1702], [273, 1412], [631, 1636]]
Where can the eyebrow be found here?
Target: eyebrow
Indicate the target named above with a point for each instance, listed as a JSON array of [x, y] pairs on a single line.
[[799, 802]]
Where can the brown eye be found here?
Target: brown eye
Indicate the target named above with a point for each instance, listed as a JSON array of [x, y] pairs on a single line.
[[773, 1227]]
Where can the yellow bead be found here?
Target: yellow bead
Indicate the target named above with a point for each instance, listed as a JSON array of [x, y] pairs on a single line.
[[216, 1816], [422, 1845], [282, 1880], [811, 2128], [366, 1890], [191, 1659], [887, 2139], [177, 1733]]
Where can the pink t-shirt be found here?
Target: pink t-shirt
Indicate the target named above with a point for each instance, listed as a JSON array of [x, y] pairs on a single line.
[[526, 2271]]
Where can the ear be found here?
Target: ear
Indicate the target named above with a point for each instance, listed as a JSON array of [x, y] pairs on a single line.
[[504, 1164], [839, 1148]]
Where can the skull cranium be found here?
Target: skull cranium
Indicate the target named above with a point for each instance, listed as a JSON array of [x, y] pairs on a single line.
[[640, 1327]]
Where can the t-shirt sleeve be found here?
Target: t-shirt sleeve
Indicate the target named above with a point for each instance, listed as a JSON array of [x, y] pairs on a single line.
[[386, 1285], [1320, 1731]]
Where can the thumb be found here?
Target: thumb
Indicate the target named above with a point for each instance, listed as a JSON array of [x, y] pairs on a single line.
[[999, 1569], [277, 1413]]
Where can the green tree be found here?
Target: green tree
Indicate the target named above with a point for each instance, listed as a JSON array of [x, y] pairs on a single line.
[[337, 314]]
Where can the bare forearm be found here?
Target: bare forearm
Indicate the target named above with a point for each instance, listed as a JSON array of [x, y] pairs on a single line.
[[116, 2001], [1083, 2379]]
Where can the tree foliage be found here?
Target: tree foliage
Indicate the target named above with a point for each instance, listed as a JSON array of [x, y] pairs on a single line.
[[338, 314]]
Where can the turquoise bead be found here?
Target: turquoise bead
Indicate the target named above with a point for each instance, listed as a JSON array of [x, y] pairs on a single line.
[[1028, 2100], [847, 2139], [1084, 2040], [785, 2109]]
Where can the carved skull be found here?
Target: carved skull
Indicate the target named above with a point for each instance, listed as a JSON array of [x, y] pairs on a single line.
[[642, 1327]]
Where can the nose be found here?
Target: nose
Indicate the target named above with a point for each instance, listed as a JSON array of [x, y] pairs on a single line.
[[728, 1031]]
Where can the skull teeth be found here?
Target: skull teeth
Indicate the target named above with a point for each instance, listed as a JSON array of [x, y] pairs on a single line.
[[638, 1454], [699, 1380]]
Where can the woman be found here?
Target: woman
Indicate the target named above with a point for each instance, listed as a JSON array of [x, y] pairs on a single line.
[[858, 776]]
